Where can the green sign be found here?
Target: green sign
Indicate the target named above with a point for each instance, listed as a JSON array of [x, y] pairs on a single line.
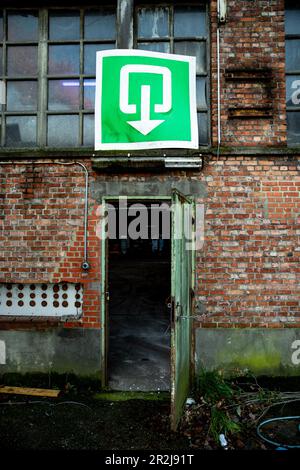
[[145, 100]]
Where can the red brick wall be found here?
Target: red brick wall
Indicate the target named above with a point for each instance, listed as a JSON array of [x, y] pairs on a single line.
[[252, 38], [41, 230], [248, 271]]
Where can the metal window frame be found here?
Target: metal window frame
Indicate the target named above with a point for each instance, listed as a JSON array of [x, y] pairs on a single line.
[[171, 39], [125, 38], [5, 77], [42, 78], [81, 76]]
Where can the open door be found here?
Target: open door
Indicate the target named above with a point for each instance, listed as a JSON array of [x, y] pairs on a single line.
[[182, 284], [104, 298]]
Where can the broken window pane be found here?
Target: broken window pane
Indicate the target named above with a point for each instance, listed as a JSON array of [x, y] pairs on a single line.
[[88, 130], [89, 93], [153, 22], [99, 25], [63, 94], [22, 60], [90, 56], [64, 25], [293, 124], [193, 48], [20, 131], [21, 95], [293, 55], [63, 60], [189, 21], [22, 26], [63, 131], [155, 46]]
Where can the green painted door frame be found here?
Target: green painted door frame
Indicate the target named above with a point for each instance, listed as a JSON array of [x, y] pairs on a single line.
[[182, 293], [182, 288]]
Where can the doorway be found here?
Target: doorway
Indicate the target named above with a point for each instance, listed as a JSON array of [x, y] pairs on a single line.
[[139, 286], [148, 296]]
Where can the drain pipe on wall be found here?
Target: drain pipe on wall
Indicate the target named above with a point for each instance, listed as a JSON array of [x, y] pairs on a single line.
[[85, 265], [221, 19], [219, 91]]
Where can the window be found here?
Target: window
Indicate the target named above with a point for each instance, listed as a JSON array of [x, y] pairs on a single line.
[[47, 62], [179, 30], [292, 47]]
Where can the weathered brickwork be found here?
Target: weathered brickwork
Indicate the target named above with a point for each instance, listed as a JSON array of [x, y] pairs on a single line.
[[247, 273], [248, 270], [42, 230], [252, 40]]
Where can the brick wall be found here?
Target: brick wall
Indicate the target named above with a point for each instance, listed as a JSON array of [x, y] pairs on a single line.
[[42, 230], [252, 53], [248, 270]]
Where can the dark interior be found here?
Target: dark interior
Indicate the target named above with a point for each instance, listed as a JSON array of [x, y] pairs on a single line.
[[139, 319]]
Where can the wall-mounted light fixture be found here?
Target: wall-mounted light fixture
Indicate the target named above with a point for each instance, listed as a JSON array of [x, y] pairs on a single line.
[[184, 162]]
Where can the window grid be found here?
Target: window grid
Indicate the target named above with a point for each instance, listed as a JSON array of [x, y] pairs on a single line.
[[82, 42], [172, 40], [44, 78], [8, 79]]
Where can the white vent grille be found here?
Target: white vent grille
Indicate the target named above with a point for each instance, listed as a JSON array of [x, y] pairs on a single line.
[[41, 300]]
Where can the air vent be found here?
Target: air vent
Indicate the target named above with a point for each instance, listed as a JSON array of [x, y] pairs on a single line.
[[41, 300]]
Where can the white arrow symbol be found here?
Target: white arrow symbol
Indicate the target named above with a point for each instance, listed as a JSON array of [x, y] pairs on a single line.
[[145, 125]]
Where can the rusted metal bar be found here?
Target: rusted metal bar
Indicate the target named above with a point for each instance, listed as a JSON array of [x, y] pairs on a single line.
[[125, 24]]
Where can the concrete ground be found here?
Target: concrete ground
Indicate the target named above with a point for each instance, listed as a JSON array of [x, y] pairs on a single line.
[[139, 321]]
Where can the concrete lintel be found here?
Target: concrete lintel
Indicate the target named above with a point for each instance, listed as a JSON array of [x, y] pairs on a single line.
[[150, 163]]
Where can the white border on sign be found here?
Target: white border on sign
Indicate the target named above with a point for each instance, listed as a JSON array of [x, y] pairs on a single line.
[[191, 144]]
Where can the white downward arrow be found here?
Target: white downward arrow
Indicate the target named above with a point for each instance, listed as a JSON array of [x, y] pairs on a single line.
[[145, 125]]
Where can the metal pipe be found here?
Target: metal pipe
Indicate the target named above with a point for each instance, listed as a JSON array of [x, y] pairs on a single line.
[[218, 90], [125, 9], [85, 264]]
